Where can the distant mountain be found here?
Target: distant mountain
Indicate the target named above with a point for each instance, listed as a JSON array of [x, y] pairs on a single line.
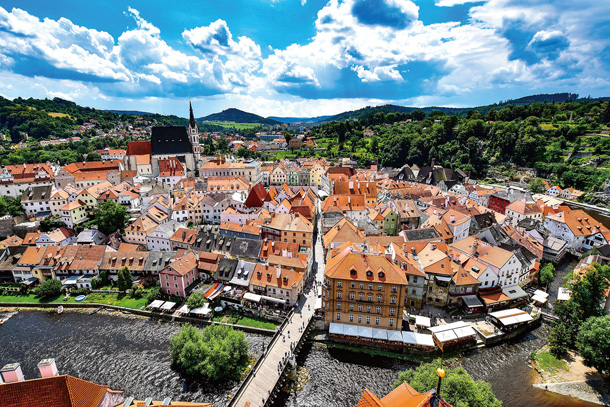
[[133, 112], [370, 110], [299, 119], [237, 116]]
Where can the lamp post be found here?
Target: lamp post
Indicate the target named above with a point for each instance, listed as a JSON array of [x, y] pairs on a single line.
[[440, 372]]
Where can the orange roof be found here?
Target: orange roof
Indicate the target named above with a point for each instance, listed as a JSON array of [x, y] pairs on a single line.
[[184, 264], [184, 235], [347, 265], [524, 208], [143, 159], [57, 391], [343, 231], [345, 202], [13, 241], [171, 167], [31, 238], [266, 275], [73, 205], [580, 222], [402, 396]]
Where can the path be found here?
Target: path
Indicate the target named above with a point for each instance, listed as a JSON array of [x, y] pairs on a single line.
[[256, 391]]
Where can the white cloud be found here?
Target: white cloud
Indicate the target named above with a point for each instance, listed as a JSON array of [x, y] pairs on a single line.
[[451, 3]]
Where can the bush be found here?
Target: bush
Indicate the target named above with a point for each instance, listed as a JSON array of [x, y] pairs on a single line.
[[593, 343], [79, 291], [48, 289], [137, 293], [195, 300], [154, 293], [96, 282], [217, 352]]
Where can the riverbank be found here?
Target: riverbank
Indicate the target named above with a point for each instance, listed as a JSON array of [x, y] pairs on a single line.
[[570, 377], [129, 311]]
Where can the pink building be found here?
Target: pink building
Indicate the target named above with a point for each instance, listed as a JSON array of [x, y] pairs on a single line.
[[179, 276]]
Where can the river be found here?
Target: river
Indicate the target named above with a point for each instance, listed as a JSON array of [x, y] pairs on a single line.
[[132, 355]]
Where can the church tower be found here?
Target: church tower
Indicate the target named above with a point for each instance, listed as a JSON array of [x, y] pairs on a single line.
[[193, 133]]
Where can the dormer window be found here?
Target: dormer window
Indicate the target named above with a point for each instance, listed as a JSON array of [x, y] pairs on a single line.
[[352, 272], [381, 274], [369, 273]]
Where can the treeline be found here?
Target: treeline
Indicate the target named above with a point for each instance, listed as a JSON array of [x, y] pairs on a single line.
[[536, 135]]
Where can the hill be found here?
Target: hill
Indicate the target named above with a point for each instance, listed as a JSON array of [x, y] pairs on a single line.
[[133, 112], [237, 116], [299, 119]]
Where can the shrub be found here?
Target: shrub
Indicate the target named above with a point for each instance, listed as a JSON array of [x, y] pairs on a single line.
[[48, 289]]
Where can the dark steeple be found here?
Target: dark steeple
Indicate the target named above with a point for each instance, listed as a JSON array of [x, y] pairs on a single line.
[[192, 123]]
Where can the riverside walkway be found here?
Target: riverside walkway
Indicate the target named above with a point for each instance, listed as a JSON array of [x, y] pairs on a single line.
[[258, 387]]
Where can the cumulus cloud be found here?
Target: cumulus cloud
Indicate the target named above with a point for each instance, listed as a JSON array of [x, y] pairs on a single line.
[[451, 3]]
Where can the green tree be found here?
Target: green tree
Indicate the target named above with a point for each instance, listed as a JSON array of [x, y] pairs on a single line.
[[110, 216], [48, 289], [103, 276], [51, 223], [547, 274], [217, 352], [559, 339], [593, 343], [536, 186], [458, 388], [195, 300], [287, 136], [155, 293], [124, 279], [588, 291]]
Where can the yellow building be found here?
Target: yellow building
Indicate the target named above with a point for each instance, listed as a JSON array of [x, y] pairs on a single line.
[[363, 289], [74, 213]]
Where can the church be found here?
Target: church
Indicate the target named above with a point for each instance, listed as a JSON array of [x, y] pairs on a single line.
[[165, 143]]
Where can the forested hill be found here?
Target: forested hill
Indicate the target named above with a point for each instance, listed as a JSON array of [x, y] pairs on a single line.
[[566, 141], [237, 116], [526, 100]]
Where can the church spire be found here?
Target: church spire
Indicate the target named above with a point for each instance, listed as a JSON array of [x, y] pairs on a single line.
[[192, 123]]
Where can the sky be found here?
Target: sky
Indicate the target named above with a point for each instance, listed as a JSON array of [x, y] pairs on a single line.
[[301, 58]]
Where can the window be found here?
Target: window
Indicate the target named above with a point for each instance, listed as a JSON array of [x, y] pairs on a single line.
[[369, 297], [359, 307], [359, 318], [394, 289], [351, 307], [379, 287], [414, 279], [391, 321], [351, 317], [174, 278], [339, 294], [339, 306], [352, 295], [379, 298], [393, 299], [360, 296], [167, 283], [368, 320], [378, 310], [339, 283], [392, 311], [413, 291], [352, 285], [368, 308], [338, 316], [176, 285], [370, 286]]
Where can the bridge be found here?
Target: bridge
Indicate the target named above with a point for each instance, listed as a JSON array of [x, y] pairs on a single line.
[[258, 388]]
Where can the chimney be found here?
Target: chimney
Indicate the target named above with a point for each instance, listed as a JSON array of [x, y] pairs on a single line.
[[278, 271], [351, 185], [47, 368], [452, 218], [12, 373]]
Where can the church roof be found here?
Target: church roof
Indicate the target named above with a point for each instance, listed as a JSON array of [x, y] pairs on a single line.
[[170, 140]]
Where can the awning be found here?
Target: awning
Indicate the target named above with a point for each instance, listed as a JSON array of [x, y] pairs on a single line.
[[156, 304], [380, 334], [184, 309], [539, 298], [423, 321], [514, 292], [365, 332], [168, 305], [443, 278], [318, 303], [394, 336], [271, 299], [414, 338], [205, 310], [350, 330], [472, 301], [335, 329], [563, 294], [252, 297], [540, 293]]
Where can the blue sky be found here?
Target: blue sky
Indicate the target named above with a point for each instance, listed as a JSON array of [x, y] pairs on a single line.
[[301, 57]]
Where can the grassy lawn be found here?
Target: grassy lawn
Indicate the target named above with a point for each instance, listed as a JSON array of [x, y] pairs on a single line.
[[120, 300], [546, 361], [238, 126], [55, 114], [257, 323]]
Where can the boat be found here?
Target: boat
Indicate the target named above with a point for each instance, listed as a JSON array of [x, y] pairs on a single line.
[[96, 310], [1, 321], [80, 297], [60, 309]]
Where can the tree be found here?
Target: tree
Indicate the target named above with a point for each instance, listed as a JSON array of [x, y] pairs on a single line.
[[195, 300], [48, 289], [588, 291], [458, 388], [217, 352], [155, 293], [109, 217], [559, 339], [593, 343], [536, 186], [50, 223], [124, 279], [287, 136], [547, 274], [103, 276]]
